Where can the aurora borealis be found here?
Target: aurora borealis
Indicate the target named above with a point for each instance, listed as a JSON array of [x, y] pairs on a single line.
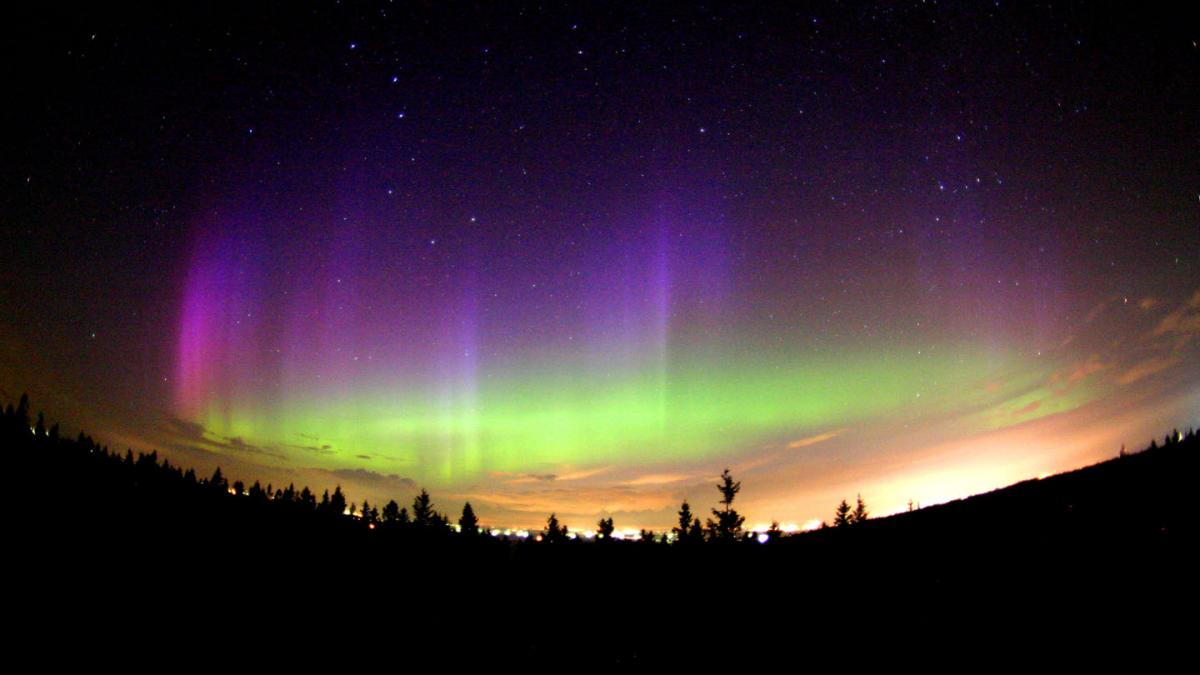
[[581, 258]]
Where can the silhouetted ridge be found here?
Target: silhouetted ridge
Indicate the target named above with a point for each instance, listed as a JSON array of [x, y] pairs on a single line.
[[1123, 529]]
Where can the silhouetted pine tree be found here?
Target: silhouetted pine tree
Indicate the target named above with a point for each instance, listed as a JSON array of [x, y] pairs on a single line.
[[554, 532], [604, 529], [728, 525], [22, 414], [860, 511], [842, 516], [337, 501], [391, 513], [217, 482], [683, 531], [423, 513], [468, 524]]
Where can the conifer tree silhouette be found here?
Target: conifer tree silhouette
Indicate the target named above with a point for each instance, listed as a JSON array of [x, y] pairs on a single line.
[[423, 513], [468, 524], [554, 531], [728, 525], [860, 511], [683, 530], [337, 501], [217, 482], [604, 529], [842, 516], [391, 513]]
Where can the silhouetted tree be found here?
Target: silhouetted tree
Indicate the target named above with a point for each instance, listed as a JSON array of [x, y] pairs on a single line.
[[391, 513], [468, 524], [860, 511], [239, 488], [728, 525], [217, 482], [337, 501], [842, 516], [774, 533], [22, 413], [683, 530], [604, 528], [423, 513], [554, 532]]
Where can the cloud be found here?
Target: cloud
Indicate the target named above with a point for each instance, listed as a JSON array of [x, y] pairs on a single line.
[[1149, 303], [1095, 312], [575, 502], [187, 435], [1183, 321], [1076, 372], [532, 478], [519, 478], [1179, 322], [813, 440], [240, 444], [374, 479], [1146, 368], [1082, 370], [317, 449], [1027, 409], [184, 428], [657, 479], [588, 473]]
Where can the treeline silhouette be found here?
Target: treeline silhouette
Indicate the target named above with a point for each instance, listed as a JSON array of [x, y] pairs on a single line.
[[155, 480], [100, 529]]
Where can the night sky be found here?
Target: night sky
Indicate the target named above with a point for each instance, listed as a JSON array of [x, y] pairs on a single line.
[[582, 258]]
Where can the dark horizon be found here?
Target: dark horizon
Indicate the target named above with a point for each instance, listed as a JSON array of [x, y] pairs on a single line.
[[578, 259], [136, 547]]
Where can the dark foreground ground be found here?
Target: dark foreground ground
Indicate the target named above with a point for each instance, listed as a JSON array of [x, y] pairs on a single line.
[[131, 563]]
